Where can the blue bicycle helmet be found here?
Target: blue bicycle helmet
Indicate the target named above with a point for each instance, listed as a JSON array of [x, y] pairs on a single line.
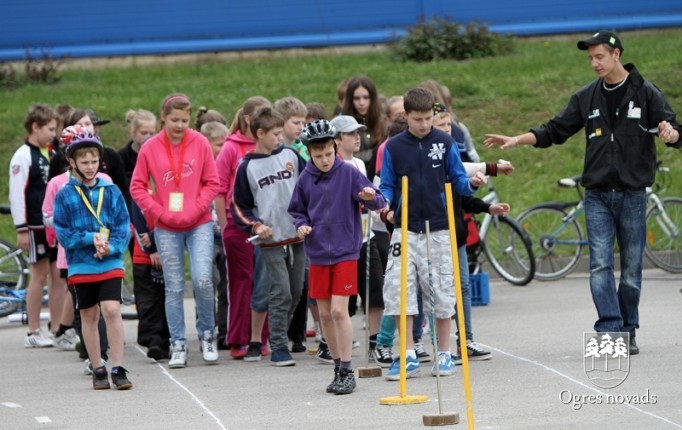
[[317, 130]]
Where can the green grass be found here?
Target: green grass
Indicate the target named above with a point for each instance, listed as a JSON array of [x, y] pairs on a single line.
[[507, 94]]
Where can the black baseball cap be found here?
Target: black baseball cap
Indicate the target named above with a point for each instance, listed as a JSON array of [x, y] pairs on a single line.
[[602, 36], [95, 119]]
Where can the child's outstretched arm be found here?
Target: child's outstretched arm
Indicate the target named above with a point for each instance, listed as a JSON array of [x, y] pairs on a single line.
[[369, 194]]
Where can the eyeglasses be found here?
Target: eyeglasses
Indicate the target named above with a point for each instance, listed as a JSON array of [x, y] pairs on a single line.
[[649, 130]]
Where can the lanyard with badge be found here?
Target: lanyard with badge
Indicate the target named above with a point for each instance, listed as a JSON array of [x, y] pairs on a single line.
[[103, 231], [175, 202]]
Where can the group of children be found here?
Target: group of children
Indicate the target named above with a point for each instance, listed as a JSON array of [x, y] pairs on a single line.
[[282, 201]]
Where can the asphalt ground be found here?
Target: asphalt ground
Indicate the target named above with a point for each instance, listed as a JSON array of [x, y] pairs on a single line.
[[535, 380]]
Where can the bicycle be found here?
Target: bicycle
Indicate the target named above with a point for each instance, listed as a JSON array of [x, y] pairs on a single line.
[[558, 237], [11, 301], [14, 270], [14, 274], [506, 245]]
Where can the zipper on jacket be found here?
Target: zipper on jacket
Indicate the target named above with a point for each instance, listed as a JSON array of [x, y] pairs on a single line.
[[329, 231]]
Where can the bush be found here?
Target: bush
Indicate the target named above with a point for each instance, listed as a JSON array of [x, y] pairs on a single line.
[[442, 39], [43, 70], [8, 76]]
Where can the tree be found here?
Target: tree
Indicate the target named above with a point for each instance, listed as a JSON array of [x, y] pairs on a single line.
[[592, 350], [620, 350], [606, 349]]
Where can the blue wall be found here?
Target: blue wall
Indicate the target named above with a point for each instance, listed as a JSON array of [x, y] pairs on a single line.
[[131, 27]]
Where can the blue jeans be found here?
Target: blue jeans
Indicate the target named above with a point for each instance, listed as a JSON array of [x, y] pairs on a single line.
[[616, 216], [171, 246]]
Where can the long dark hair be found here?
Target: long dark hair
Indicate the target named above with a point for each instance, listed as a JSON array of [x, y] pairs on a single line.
[[374, 118]]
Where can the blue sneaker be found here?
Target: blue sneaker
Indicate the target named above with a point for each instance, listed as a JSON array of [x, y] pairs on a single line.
[[411, 369], [446, 365], [281, 358]]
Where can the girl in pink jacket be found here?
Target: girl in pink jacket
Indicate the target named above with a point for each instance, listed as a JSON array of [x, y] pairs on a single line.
[[177, 166]]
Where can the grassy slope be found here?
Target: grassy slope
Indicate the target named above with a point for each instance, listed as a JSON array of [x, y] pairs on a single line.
[[497, 95]]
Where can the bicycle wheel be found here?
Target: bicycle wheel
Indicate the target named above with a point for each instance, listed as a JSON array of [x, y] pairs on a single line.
[[13, 266], [556, 244], [509, 250], [664, 240], [7, 307]]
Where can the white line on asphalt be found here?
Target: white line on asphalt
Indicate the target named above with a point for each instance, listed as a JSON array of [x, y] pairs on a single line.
[[187, 390], [43, 420], [582, 384], [10, 405]]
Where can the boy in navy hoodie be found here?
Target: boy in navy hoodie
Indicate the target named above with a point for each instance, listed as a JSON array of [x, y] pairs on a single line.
[[430, 160]]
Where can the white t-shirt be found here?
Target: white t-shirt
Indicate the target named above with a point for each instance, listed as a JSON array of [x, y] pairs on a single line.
[[360, 165]]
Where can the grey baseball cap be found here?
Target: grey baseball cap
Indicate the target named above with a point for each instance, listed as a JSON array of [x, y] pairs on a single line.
[[346, 124]]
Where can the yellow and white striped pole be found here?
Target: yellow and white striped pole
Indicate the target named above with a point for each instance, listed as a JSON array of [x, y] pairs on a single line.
[[460, 308], [403, 398]]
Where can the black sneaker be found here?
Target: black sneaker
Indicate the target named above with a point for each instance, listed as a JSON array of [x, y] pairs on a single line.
[[253, 352], [420, 352], [119, 378], [323, 354], [346, 383], [383, 356], [298, 347], [222, 344], [634, 349], [80, 349], [331, 388], [370, 351], [155, 352], [474, 353], [100, 378]]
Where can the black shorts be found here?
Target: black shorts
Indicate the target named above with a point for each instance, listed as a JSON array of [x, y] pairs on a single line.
[[376, 275], [37, 246], [91, 293], [52, 252]]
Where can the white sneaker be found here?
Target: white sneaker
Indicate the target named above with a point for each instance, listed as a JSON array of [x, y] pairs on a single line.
[[67, 341], [178, 358], [209, 348], [37, 339]]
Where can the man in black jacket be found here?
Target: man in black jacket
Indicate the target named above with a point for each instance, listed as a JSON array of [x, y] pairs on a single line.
[[620, 112]]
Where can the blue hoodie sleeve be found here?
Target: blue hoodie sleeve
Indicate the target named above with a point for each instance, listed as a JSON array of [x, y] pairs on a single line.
[[141, 227], [70, 233], [119, 235], [456, 173], [388, 185]]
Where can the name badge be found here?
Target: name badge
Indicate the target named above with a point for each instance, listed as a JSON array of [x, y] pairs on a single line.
[[104, 233], [176, 202], [635, 113]]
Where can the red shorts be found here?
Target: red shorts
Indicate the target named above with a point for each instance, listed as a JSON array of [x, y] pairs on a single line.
[[340, 279]]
